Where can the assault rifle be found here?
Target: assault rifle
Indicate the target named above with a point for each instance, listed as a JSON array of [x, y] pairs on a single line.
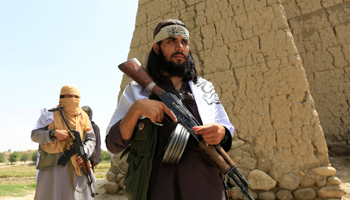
[[134, 70], [76, 148]]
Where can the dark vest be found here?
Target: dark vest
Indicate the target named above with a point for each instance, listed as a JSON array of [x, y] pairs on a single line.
[[49, 161], [142, 148]]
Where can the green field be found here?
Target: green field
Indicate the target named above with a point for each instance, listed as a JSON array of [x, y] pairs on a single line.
[[19, 180], [16, 190], [17, 171], [101, 169]]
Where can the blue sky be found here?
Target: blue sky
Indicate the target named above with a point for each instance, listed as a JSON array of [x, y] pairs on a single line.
[[47, 44]]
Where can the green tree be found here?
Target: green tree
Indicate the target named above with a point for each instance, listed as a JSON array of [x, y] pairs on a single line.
[[13, 157], [104, 156], [24, 157], [2, 158], [34, 156]]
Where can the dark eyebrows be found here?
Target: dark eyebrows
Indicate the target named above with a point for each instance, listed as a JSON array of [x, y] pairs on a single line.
[[174, 39]]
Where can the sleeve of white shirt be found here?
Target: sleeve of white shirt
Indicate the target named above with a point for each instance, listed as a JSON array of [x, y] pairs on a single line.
[[90, 142], [44, 120], [42, 136], [131, 93], [222, 118]]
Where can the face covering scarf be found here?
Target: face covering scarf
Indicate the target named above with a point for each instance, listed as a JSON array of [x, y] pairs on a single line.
[[77, 119]]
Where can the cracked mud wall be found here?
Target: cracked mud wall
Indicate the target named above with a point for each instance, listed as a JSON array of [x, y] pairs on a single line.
[[246, 49], [321, 30]]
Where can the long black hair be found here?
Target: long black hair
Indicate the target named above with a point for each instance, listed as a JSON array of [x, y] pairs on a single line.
[[155, 60]]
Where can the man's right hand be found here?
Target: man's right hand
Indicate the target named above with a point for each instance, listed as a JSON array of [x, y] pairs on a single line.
[[61, 135], [154, 110]]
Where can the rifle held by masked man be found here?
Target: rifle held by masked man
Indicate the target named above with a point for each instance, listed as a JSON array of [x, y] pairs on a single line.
[[134, 70], [76, 148]]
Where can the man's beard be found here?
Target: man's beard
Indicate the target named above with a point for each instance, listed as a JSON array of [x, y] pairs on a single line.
[[172, 68]]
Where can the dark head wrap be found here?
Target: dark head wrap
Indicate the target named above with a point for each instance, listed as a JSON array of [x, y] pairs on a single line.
[[88, 109]]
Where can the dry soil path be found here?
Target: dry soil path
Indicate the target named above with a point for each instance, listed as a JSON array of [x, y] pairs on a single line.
[[342, 164]]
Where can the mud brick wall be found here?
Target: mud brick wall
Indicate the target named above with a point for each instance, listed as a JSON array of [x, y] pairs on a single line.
[[246, 48], [321, 30]]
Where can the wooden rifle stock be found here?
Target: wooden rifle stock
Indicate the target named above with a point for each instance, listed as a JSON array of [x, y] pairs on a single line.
[[134, 70], [218, 155], [86, 168]]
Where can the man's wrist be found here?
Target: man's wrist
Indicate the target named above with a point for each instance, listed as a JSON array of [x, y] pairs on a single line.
[[225, 136], [222, 132], [52, 133]]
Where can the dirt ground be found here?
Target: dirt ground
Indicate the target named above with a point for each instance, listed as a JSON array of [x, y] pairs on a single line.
[[342, 164], [102, 194]]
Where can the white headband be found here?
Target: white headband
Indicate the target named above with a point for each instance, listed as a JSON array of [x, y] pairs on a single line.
[[169, 31]]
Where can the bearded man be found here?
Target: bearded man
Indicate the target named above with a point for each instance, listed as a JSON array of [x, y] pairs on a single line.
[[57, 182], [195, 176]]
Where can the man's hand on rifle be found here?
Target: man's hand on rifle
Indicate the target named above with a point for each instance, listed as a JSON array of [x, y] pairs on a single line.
[[61, 135], [68, 145], [154, 110], [80, 161], [213, 133], [84, 166]]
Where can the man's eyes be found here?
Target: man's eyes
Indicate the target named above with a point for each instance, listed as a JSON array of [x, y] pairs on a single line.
[[183, 41], [71, 96]]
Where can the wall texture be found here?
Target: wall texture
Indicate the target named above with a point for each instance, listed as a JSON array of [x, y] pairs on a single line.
[[246, 48], [321, 30]]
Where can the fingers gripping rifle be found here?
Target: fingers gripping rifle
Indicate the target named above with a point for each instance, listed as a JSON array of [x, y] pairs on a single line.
[[76, 148], [134, 70]]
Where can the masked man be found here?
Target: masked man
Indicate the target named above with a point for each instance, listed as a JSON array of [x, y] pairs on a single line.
[[57, 182], [95, 157], [195, 176]]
